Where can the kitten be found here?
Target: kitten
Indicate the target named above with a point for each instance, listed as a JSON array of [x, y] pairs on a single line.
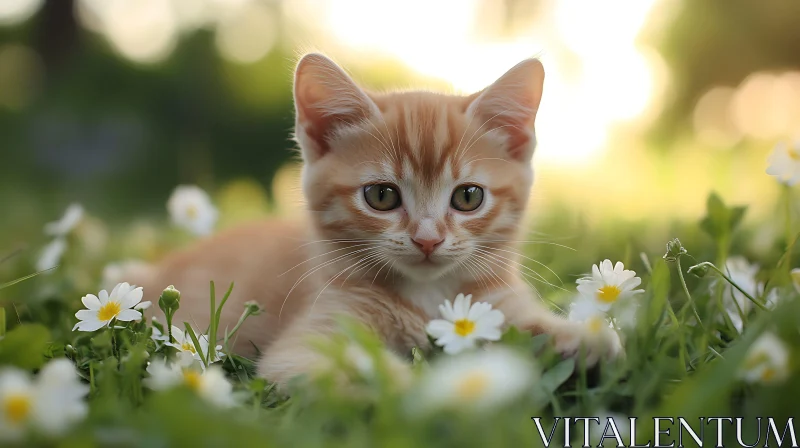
[[413, 197]]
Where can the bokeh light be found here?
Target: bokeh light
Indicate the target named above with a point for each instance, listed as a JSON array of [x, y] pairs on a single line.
[[247, 35], [713, 120], [16, 11]]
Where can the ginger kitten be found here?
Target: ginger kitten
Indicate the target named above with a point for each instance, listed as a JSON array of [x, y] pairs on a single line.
[[413, 197]]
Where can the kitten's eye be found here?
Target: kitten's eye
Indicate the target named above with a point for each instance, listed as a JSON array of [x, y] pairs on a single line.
[[382, 197], [467, 198]]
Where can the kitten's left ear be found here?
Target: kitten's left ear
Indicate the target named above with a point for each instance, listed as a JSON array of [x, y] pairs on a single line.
[[510, 104]]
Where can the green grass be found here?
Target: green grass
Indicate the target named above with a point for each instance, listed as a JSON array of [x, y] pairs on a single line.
[[683, 359]]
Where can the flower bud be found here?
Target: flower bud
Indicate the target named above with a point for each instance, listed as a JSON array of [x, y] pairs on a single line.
[[699, 270], [170, 300], [252, 308], [674, 250]]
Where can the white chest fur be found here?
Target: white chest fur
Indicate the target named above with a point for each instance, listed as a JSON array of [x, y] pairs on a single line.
[[429, 295]]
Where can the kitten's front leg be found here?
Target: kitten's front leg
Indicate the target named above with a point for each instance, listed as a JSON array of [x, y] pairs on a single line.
[[399, 327], [528, 313]]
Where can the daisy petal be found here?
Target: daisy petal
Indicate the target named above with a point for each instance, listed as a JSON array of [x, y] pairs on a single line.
[[478, 310], [458, 346], [630, 283], [128, 315], [447, 311], [89, 325], [86, 315], [494, 318], [91, 302], [131, 298], [439, 327]]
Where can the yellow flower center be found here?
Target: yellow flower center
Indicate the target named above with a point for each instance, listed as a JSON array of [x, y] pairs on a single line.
[[768, 374], [595, 324], [755, 360], [473, 385], [192, 379], [608, 293], [794, 153], [17, 407], [464, 327], [109, 311], [192, 212], [188, 347]]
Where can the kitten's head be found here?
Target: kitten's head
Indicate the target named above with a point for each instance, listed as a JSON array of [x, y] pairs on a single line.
[[421, 180]]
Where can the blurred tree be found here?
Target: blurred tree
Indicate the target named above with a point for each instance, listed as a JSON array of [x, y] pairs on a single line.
[[720, 42]]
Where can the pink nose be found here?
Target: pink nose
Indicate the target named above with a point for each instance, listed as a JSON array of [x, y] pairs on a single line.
[[427, 246]]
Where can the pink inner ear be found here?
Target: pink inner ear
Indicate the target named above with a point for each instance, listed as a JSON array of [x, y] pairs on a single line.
[[316, 124], [325, 97], [518, 143]]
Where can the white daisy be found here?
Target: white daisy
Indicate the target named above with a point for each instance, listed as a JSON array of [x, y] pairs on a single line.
[[585, 310], [51, 254], [190, 207], [609, 284], [184, 343], [784, 163], [104, 307], [743, 274], [464, 325], [51, 403], [72, 217], [210, 384], [477, 381], [767, 361]]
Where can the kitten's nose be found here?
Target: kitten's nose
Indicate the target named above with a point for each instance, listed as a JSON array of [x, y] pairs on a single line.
[[427, 245]]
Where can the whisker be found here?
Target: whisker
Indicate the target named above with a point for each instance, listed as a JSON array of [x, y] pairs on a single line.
[[477, 274], [471, 117], [333, 280], [484, 259], [340, 240], [479, 138], [389, 133], [527, 242], [486, 158], [538, 277], [379, 271], [316, 269], [369, 261], [479, 128], [322, 255], [523, 256]]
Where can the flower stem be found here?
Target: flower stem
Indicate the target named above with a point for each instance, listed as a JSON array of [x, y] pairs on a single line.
[[728, 279], [688, 296], [168, 316], [787, 194]]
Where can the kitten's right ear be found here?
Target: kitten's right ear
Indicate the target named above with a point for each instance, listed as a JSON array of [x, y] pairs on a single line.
[[325, 97]]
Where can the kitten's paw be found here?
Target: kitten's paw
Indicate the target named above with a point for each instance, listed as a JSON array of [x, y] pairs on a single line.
[[574, 339]]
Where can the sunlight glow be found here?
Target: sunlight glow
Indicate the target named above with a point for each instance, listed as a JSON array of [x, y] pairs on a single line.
[[597, 75]]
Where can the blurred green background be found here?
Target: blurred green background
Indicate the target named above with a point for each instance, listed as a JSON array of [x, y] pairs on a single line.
[[649, 105]]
